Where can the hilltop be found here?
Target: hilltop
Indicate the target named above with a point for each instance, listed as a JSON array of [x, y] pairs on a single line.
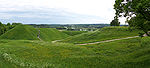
[[106, 33], [27, 32], [21, 32]]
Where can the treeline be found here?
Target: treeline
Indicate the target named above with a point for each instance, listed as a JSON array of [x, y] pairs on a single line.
[[62, 26], [6, 27]]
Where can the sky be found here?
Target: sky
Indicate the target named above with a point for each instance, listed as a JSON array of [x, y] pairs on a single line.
[[57, 11]]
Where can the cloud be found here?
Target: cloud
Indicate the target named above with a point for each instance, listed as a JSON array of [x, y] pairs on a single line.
[[57, 11], [48, 17]]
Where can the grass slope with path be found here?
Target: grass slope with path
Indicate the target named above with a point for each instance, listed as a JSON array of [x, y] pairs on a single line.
[[129, 53], [106, 33], [27, 32], [108, 40]]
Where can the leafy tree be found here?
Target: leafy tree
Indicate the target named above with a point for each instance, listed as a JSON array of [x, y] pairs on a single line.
[[8, 24], [1, 28], [115, 22], [1, 24], [4, 28], [137, 12], [16, 24]]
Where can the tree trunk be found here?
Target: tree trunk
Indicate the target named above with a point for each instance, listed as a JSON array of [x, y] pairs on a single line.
[[147, 33]]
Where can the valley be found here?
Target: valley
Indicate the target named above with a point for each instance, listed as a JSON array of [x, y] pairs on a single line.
[[21, 48]]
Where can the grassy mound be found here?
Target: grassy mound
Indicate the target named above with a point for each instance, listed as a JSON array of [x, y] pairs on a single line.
[[21, 32], [49, 34], [72, 33], [27, 32], [131, 53], [106, 33]]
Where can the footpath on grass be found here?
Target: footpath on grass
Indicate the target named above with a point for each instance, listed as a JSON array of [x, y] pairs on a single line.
[[38, 36], [108, 40], [55, 41]]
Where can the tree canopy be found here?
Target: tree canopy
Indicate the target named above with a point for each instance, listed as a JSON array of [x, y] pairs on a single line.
[[115, 22], [137, 12], [5, 27]]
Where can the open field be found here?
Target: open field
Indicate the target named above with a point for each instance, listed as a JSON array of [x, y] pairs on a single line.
[[132, 53], [74, 33], [27, 51]]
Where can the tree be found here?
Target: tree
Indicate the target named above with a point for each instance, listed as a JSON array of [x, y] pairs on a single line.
[[16, 24], [137, 12], [4, 28], [1, 24], [115, 22], [1, 28], [8, 24]]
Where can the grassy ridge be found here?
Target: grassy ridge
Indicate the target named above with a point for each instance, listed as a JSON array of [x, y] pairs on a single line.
[[26, 32], [132, 53], [72, 33], [106, 33], [49, 34], [129, 53], [21, 32]]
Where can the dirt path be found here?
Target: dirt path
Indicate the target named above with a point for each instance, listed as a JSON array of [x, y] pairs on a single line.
[[55, 41], [38, 36], [107, 40]]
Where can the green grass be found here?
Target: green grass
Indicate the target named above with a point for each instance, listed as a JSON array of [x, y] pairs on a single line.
[[27, 32], [106, 33], [131, 53], [72, 33], [40, 54], [49, 34], [21, 32], [5, 64], [28, 53]]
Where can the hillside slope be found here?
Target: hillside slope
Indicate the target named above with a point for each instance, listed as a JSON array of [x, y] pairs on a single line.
[[106, 33], [21, 32], [50, 34], [73, 33], [130, 53], [27, 32]]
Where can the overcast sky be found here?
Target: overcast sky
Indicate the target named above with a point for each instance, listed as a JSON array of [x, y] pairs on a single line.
[[57, 11]]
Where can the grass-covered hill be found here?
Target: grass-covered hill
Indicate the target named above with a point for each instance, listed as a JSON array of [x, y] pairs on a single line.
[[50, 34], [21, 32], [72, 33], [106, 33], [27, 32], [131, 53]]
